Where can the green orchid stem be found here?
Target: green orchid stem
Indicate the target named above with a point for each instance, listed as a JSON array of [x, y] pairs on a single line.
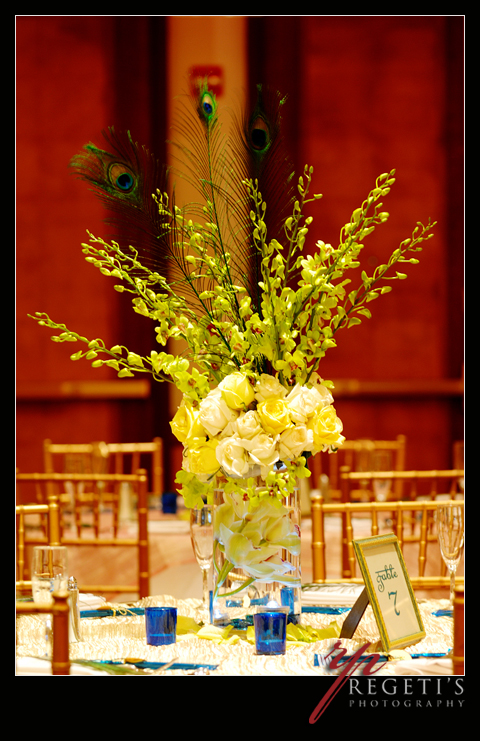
[[227, 567], [229, 594]]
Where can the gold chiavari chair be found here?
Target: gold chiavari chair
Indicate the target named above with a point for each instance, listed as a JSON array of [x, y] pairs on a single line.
[[52, 511], [60, 612], [79, 458], [121, 452], [101, 457], [458, 629], [139, 483], [414, 485], [127, 458], [358, 455], [347, 511], [425, 484]]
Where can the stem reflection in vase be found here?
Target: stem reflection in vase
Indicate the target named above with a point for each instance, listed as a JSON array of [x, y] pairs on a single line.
[[256, 553]]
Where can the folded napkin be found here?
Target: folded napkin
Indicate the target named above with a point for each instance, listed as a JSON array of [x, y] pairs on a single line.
[[424, 666], [331, 594], [90, 601]]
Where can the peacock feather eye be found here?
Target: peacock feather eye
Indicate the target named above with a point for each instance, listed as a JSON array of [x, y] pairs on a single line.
[[259, 134], [207, 105], [122, 178]]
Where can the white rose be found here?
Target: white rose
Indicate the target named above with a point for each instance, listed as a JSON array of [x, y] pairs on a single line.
[[303, 402], [294, 441], [268, 387], [317, 384], [232, 457], [215, 414], [248, 425], [263, 450]]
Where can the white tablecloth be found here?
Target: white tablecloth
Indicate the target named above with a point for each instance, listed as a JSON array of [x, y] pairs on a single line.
[[233, 653]]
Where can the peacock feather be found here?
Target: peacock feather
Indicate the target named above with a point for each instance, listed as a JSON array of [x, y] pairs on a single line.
[[227, 274], [125, 176]]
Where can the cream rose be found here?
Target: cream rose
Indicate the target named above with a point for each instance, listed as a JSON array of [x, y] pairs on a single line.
[[274, 415], [232, 457], [215, 415], [294, 441], [237, 391], [199, 458], [317, 384], [248, 425], [326, 428], [303, 402], [263, 450], [186, 424], [268, 387]]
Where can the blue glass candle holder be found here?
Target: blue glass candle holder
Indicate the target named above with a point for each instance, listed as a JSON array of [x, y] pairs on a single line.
[[169, 503], [270, 631], [161, 625]]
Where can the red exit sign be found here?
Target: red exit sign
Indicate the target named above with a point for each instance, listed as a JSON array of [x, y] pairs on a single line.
[[212, 73]]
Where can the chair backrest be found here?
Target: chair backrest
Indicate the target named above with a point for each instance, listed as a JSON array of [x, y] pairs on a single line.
[[400, 512], [52, 512], [358, 455], [60, 612], [429, 484], [138, 481], [74, 457], [121, 452], [101, 457]]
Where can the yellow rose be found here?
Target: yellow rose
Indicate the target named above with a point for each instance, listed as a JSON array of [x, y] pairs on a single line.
[[326, 428], [237, 391], [200, 458], [186, 424], [274, 415]]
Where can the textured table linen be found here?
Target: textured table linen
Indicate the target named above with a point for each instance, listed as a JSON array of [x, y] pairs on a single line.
[[123, 636]]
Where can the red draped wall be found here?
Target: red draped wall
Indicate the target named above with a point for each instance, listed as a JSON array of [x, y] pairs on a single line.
[[366, 94]]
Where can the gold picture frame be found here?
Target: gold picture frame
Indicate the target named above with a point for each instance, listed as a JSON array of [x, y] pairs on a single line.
[[389, 591]]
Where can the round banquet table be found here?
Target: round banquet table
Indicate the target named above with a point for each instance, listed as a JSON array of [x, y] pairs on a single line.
[[219, 652]]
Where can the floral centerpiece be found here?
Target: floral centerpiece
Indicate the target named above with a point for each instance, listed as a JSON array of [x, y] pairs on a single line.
[[255, 312]]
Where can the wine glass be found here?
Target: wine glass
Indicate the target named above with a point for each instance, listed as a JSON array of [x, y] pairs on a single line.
[[201, 532], [451, 536], [49, 574]]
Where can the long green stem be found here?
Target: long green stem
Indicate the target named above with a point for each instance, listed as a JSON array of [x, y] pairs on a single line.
[[227, 567], [239, 589]]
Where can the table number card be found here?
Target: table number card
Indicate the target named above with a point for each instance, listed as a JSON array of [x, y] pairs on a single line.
[[389, 591]]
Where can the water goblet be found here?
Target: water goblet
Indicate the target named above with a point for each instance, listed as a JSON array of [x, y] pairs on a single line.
[[201, 532], [49, 574], [451, 537]]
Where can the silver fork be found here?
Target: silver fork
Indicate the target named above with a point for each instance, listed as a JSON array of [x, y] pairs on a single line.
[[325, 661]]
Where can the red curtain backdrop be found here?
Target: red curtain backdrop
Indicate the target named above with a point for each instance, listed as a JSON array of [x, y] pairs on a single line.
[[365, 95]]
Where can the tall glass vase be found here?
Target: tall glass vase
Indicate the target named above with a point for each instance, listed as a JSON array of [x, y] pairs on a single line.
[[257, 557]]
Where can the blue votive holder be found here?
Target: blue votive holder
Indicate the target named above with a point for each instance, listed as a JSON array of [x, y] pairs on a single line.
[[169, 503], [161, 625], [270, 631]]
